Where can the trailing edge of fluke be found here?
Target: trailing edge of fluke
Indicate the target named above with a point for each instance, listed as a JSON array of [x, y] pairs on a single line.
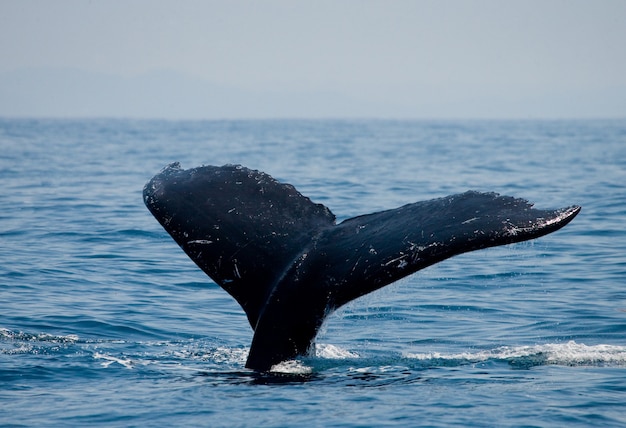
[[289, 265]]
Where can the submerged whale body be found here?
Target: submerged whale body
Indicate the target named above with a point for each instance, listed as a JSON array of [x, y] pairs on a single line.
[[289, 265]]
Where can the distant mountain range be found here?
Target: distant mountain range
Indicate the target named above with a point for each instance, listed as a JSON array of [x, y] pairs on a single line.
[[68, 92]]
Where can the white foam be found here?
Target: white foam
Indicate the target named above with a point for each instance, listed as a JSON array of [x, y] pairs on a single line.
[[110, 360], [41, 337], [223, 354], [333, 352], [292, 367], [570, 353]]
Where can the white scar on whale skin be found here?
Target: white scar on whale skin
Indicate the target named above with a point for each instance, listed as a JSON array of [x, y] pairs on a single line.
[[470, 220], [512, 230]]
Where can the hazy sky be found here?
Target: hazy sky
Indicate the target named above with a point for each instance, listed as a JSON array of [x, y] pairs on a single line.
[[481, 58]]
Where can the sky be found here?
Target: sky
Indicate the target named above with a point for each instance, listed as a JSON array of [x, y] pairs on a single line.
[[313, 59]]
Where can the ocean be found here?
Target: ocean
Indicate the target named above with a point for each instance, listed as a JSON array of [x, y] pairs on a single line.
[[104, 321]]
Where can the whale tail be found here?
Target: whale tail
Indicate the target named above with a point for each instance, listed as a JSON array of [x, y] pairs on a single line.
[[287, 263]]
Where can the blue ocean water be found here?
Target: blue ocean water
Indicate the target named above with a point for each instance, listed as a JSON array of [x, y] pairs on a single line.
[[105, 321]]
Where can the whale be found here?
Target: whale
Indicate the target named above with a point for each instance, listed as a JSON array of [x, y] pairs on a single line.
[[289, 264]]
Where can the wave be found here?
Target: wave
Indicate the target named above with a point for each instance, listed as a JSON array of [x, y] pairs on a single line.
[[205, 354], [565, 354], [6, 334], [570, 354]]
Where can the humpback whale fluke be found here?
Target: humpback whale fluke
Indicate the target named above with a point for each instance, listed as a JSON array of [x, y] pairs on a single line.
[[287, 263]]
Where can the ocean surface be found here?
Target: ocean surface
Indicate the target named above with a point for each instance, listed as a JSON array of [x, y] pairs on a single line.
[[105, 321]]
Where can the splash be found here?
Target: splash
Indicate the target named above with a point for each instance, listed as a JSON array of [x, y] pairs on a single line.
[[333, 352], [324, 351], [291, 367], [570, 353], [223, 354]]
